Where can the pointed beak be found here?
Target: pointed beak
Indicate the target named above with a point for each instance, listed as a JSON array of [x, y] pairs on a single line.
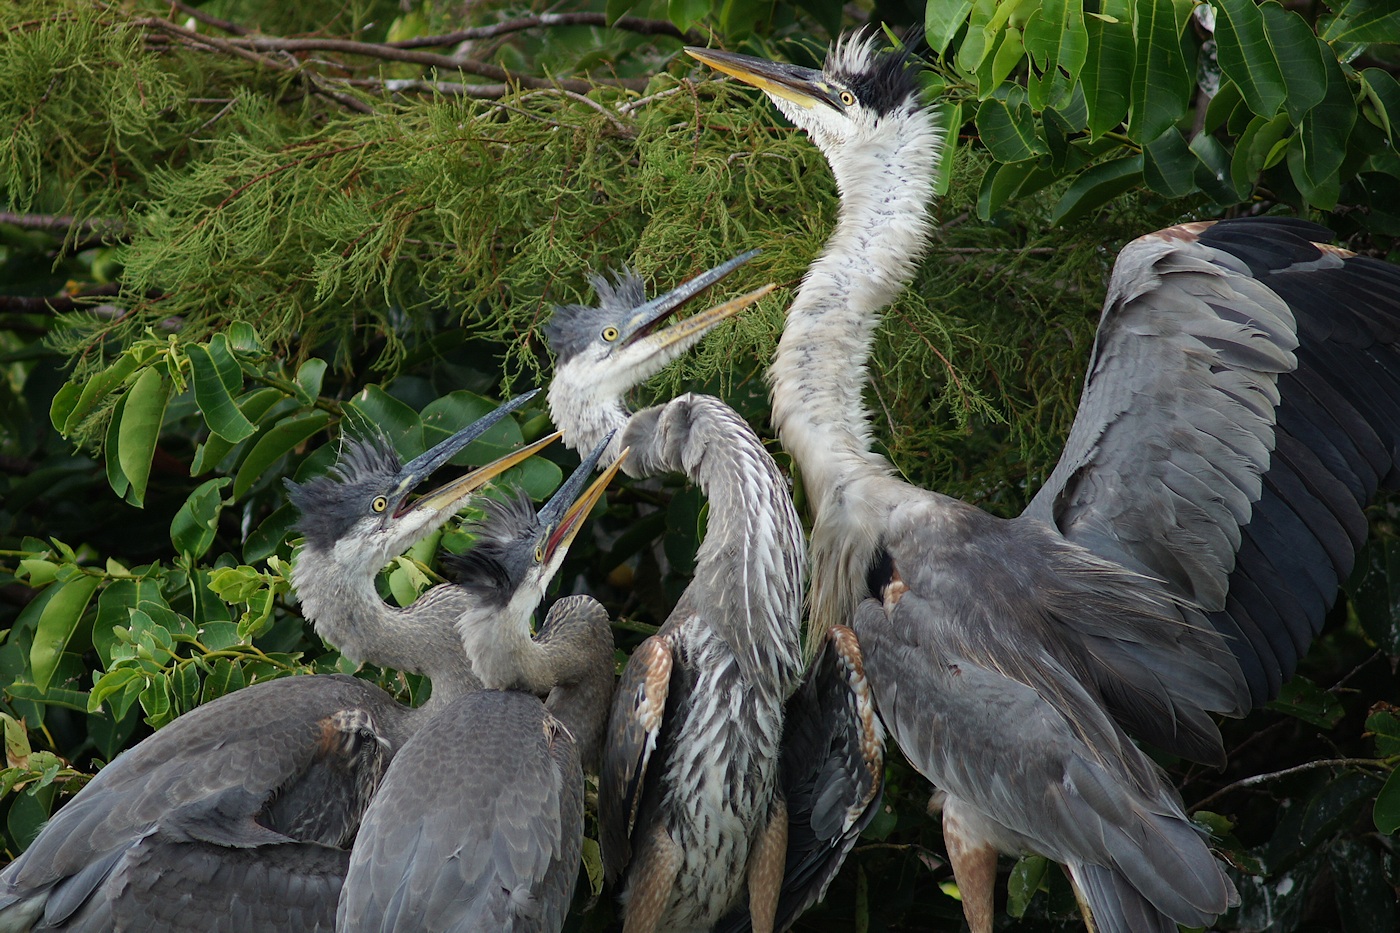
[[805, 87], [421, 467], [449, 497], [566, 510], [641, 327]]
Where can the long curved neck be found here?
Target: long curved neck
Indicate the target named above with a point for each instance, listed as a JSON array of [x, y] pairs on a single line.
[[420, 639], [585, 411], [819, 372], [751, 564], [577, 628]]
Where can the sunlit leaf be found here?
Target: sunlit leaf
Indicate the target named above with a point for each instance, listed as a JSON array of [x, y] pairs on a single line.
[[57, 623], [1057, 43], [1161, 85], [942, 22], [215, 397], [195, 524], [141, 417], [1107, 75]]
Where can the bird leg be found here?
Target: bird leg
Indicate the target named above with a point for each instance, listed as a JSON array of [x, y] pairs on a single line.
[[974, 869], [766, 864], [653, 873]]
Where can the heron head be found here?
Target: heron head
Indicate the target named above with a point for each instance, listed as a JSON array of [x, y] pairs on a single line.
[[604, 350], [360, 511], [859, 87], [518, 549]]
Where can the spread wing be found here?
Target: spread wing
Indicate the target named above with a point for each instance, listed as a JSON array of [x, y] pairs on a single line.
[[634, 735], [478, 825], [833, 773], [1241, 409]]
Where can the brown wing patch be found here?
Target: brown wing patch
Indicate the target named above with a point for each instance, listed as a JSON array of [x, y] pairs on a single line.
[[1188, 232], [872, 736], [894, 590]]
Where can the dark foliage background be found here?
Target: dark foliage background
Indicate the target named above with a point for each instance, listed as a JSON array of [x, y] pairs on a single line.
[[233, 230]]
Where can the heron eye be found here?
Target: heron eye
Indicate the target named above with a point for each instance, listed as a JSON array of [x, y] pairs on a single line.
[[539, 553], [609, 334], [379, 504], [848, 98]]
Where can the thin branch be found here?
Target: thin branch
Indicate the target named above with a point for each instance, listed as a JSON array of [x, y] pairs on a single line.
[[622, 128], [1296, 769], [645, 27], [90, 227], [54, 304], [226, 25]]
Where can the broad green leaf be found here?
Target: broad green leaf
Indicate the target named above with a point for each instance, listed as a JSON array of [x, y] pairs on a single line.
[[1026, 878], [685, 13], [1162, 82], [1003, 183], [253, 406], [1382, 92], [1374, 588], [1170, 167], [947, 120], [942, 22], [216, 636], [97, 388], [1246, 57], [447, 415], [195, 524], [53, 696], [57, 623], [1107, 75], [984, 25], [112, 682], [1096, 187], [226, 677], [35, 572], [274, 444], [995, 68], [156, 701], [310, 375], [264, 540], [184, 688], [1223, 106], [1008, 129], [537, 476], [1260, 148], [1387, 810], [1384, 726], [64, 401], [1374, 23], [114, 608], [1057, 43], [1302, 698], [1322, 140], [16, 742], [407, 581], [215, 397], [1300, 59], [115, 477], [243, 339], [593, 865], [140, 429], [373, 410], [1213, 174]]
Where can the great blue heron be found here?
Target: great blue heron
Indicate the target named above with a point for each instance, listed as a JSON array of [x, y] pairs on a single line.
[[1240, 410], [478, 824], [691, 801], [226, 818]]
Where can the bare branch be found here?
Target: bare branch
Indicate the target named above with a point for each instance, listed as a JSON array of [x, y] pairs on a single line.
[[26, 304], [645, 27], [91, 227], [1297, 769], [226, 25]]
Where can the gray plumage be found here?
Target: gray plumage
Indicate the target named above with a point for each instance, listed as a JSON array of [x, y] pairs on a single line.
[[244, 786], [691, 793], [1239, 412], [479, 822]]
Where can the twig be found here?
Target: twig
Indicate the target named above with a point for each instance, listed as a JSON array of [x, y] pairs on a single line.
[[27, 304], [62, 223], [622, 128], [424, 86], [1296, 769], [629, 106], [646, 27], [226, 25]]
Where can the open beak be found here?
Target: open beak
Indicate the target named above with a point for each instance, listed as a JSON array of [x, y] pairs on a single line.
[[421, 467], [566, 509], [450, 496], [641, 328], [803, 86]]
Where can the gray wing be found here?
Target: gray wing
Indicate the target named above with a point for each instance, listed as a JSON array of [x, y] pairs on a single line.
[[478, 825], [228, 773], [833, 774], [634, 737], [1241, 409], [186, 886], [1038, 765]]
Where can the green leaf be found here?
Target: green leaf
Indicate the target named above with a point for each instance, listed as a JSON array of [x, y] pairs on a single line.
[[942, 22], [1008, 129], [1213, 174], [1096, 187], [1107, 75], [97, 388], [537, 476], [686, 13], [1003, 183], [112, 446], [947, 120], [156, 701], [16, 742], [64, 402], [1170, 166], [1386, 812], [275, 444], [215, 397], [616, 8], [1261, 146], [194, 526], [1300, 59], [1382, 92], [243, 340], [310, 376], [1305, 700], [374, 410], [140, 429], [264, 540], [184, 687], [1010, 51], [226, 677], [112, 682], [1161, 85], [1321, 143], [1058, 44], [1378, 23], [1026, 878], [57, 623], [1384, 727], [593, 865], [1246, 57], [447, 415]]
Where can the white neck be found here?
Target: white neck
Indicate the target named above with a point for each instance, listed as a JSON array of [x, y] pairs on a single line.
[[820, 370]]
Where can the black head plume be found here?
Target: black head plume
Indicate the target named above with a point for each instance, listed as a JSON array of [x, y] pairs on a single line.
[[331, 503], [500, 556], [573, 327], [882, 79]]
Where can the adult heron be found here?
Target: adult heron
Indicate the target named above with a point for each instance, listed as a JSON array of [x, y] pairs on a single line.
[[1239, 412], [236, 816], [702, 793], [478, 824]]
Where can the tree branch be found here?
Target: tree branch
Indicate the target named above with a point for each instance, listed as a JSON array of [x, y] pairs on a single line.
[[1296, 769]]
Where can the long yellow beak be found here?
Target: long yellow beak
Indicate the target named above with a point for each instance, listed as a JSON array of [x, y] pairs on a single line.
[[451, 495]]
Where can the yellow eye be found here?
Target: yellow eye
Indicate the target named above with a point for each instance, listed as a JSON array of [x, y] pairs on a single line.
[[379, 504], [609, 334], [539, 553], [848, 98]]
